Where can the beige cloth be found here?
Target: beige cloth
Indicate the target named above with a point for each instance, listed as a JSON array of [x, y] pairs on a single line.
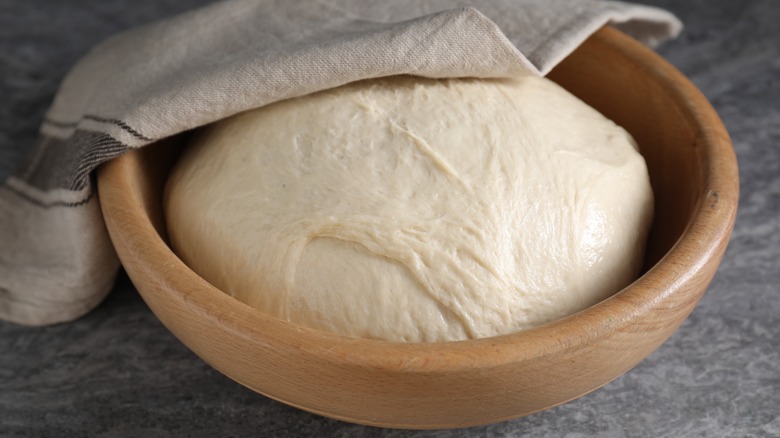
[[56, 260]]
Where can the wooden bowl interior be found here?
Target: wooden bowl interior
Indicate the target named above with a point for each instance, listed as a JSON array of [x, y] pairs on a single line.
[[649, 110]]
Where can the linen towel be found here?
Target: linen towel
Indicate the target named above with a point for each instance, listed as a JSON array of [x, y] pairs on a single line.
[[56, 259]]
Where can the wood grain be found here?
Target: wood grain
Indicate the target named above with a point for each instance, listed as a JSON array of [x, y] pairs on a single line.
[[694, 174]]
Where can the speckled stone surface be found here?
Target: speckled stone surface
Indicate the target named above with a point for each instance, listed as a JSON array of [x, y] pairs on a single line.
[[119, 373]]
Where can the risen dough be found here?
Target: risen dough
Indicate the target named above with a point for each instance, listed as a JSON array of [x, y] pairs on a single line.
[[410, 209]]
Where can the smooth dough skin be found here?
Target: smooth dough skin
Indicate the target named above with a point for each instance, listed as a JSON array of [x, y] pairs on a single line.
[[416, 210]]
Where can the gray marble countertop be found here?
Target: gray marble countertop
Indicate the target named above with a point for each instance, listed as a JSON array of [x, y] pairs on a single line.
[[119, 372]]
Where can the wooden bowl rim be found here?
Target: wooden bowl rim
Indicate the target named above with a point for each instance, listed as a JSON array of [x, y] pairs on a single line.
[[709, 227]]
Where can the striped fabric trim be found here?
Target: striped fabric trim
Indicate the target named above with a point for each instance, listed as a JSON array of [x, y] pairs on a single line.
[[27, 196], [99, 119], [99, 152], [67, 163]]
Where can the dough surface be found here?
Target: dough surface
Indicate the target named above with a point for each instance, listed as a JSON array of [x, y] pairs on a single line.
[[416, 210]]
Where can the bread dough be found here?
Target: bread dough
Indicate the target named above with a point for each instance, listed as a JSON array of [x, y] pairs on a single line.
[[410, 209]]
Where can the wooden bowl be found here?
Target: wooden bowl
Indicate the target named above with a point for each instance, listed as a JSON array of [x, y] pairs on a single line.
[[454, 384]]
